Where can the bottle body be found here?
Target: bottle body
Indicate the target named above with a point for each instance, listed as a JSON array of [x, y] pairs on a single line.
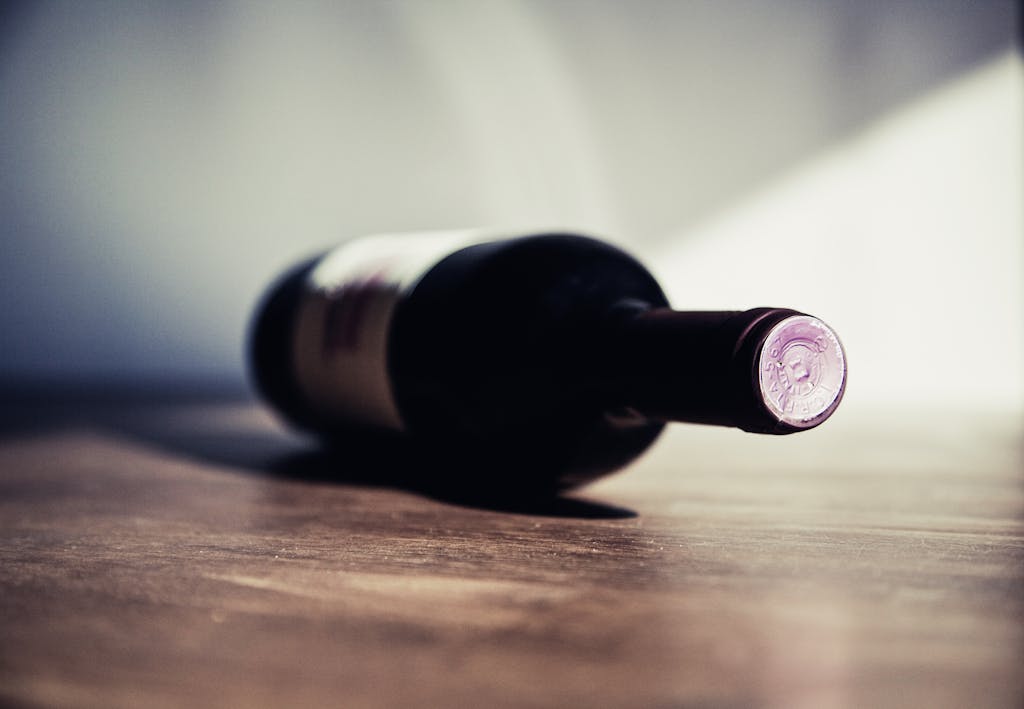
[[553, 357]]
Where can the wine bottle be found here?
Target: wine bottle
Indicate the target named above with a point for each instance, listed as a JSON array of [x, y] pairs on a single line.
[[537, 361]]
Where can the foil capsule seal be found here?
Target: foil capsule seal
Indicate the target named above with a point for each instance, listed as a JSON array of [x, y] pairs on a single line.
[[801, 371]]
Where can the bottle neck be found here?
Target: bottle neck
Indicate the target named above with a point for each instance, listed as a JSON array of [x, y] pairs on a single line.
[[704, 367]]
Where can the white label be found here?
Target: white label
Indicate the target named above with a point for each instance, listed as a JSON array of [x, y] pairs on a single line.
[[345, 320]]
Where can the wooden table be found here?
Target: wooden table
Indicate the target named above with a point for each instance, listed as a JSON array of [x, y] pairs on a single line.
[[187, 552]]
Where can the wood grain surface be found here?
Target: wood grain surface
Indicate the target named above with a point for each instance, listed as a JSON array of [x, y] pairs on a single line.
[[177, 553]]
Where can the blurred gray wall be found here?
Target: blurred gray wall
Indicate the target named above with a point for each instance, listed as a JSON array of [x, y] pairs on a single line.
[[160, 162]]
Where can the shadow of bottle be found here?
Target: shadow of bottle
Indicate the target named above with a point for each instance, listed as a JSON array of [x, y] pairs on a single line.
[[383, 459], [217, 428]]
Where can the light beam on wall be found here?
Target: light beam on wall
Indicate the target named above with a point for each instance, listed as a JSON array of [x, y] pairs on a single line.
[[907, 239]]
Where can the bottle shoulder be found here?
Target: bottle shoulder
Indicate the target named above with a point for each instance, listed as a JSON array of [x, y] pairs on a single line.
[[520, 305], [485, 349]]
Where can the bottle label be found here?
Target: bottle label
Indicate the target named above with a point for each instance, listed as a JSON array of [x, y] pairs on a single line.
[[341, 335]]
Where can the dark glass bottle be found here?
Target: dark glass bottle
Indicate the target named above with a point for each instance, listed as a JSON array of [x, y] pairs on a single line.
[[535, 362]]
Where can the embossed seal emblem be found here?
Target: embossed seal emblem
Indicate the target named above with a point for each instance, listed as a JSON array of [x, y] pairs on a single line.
[[802, 371]]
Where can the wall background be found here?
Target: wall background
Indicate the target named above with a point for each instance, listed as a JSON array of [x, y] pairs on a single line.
[[162, 161]]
